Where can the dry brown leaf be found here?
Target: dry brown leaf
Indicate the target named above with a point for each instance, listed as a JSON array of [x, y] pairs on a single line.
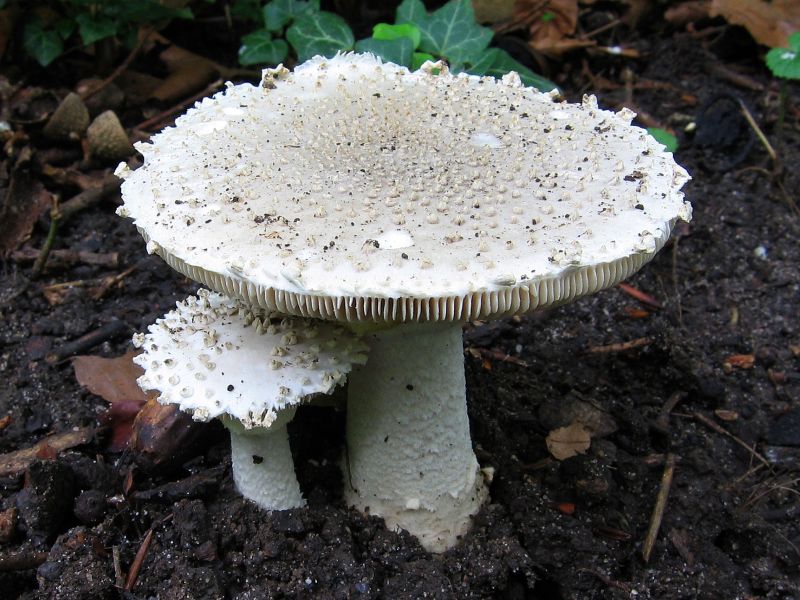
[[114, 379], [569, 441], [25, 201], [493, 11], [687, 12], [726, 415], [553, 35], [525, 12], [769, 22], [738, 361]]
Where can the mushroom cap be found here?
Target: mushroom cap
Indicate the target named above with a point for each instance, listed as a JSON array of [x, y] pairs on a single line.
[[352, 189], [214, 356]]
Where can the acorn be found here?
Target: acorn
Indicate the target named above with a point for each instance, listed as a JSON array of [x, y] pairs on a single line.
[[107, 140], [69, 120]]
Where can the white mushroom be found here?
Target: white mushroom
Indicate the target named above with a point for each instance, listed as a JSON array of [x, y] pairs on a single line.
[[214, 357], [360, 192]]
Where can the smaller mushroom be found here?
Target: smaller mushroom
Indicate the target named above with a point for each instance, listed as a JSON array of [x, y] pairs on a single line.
[[215, 357], [107, 139], [69, 121]]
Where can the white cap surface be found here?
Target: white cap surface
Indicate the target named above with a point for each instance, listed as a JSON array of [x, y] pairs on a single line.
[[350, 189], [213, 356]]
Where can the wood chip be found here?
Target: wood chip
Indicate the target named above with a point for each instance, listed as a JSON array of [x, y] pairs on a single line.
[[12, 463]]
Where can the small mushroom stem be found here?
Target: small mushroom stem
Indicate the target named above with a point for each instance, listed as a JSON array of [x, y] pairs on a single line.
[[263, 469], [409, 453]]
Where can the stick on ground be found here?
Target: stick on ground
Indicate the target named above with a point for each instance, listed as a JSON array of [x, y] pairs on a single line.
[[658, 509]]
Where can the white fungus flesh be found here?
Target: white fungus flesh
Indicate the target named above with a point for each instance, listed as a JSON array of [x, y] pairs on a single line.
[[350, 189], [353, 190], [215, 357]]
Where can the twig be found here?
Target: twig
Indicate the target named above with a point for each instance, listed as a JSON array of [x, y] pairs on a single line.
[[606, 579], [22, 561], [759, 134], [601, 29], [658, 509], [496, 355], [621, 346], [41, 260], [163, 116], [639, 295], [735, 78], [17, 461], [674, 273], [108, 331], [111, 281], [61, 212], [141, 554], [710, 424], [121, 68], [68, 257], [662, 422], [108, 185], [119, 578]]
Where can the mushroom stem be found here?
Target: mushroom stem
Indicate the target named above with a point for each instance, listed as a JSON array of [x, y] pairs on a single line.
[[409, 454], [263, 469]]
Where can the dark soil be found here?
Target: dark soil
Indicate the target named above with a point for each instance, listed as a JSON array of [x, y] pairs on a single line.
[[728, 284]]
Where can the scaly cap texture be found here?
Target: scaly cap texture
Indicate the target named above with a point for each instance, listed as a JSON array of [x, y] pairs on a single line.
[[214, 356], [352, 189]]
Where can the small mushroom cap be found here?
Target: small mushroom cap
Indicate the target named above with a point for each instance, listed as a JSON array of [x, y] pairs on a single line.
[[69, 120], [352, 189], [213, 356], [107, 139]]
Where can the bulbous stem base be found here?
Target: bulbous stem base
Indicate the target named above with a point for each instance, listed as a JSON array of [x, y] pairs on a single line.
[[409, 454]]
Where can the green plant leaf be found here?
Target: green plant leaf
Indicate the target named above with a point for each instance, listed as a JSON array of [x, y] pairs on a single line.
[[497, 62], [249, 10], [397, 51], [144, 11], [411, 11], [384, 31], [279, 13], [785, 62], [259, 48], [451, 32], [64, 27], [420, 58], [321, 33], [664, 137], [43, 45], [94, 29]]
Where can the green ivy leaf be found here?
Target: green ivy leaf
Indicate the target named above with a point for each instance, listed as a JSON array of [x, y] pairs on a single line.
[[249, 10], [279, 13], [497, 62], [64, 28], [259, 48], [43, 45], [785, 62], [420, 58], [411, 11], [384, 31], [664, 137], [144, 11], [398, 50], [93, 29], [451, 32], [319, 33]]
